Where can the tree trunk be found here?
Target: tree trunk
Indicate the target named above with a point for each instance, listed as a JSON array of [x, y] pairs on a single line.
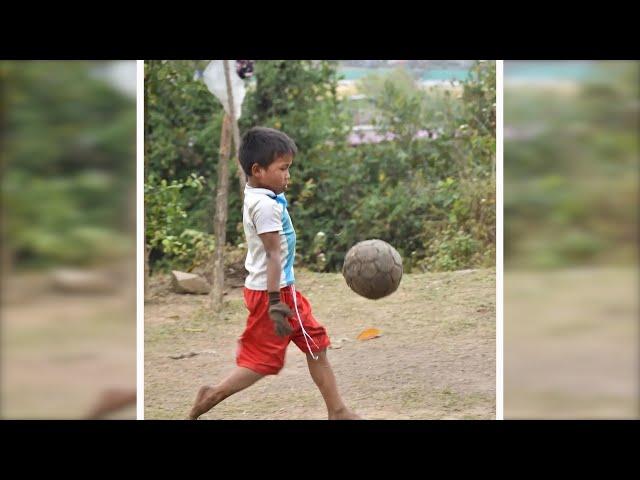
[[6, 250], [236, 130], [242, 178], [220, 219], [146, 272], [6, 253]]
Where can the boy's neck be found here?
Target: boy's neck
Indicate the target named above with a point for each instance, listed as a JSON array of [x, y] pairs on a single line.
[[250, 184]]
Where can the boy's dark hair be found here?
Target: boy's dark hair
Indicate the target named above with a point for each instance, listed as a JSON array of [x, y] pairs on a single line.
[[263, 145]]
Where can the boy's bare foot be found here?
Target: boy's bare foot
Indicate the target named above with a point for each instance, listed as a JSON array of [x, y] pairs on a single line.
[[344, 414], [197, 409], [112, 401]]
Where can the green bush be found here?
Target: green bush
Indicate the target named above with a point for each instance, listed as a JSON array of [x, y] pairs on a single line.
[[167, 223], [68, 146]]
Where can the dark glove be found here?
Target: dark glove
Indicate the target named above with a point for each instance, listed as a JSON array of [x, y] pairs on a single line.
[[279, 313]]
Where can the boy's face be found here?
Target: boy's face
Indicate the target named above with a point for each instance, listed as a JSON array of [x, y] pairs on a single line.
[[275, 177]]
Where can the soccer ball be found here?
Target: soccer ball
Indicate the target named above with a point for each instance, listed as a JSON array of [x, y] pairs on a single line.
[[373, 269]]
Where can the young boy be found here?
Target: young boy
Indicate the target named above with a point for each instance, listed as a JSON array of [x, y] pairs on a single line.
[[278, 313]]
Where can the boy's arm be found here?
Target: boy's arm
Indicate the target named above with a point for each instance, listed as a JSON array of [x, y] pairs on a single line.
[[271, 242], [278, 311]]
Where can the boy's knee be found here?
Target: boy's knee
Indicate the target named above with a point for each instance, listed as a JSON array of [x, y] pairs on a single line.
[[320, 356]]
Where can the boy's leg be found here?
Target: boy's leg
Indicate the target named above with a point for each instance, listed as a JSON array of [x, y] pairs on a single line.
[[323, 377], [209, 396], [111, 401]]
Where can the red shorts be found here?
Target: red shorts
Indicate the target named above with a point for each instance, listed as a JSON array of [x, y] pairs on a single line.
[[259, 348]]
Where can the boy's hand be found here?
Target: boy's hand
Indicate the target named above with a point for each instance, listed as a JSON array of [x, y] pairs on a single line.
[[279, 314]]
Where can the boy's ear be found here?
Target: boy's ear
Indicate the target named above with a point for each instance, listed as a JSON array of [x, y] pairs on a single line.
[[255, 169]]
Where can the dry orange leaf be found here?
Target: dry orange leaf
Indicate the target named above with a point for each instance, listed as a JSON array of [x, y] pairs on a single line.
[[369, 333]]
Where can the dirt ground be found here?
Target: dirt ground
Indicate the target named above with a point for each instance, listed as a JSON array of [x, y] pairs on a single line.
[[61, 351], [434, 360], [571, 343]]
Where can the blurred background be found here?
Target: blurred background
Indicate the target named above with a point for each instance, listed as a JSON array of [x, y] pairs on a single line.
[[68, 149], [571, 153]]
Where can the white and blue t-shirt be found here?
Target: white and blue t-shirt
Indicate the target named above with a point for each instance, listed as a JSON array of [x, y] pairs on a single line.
[[264, 211]]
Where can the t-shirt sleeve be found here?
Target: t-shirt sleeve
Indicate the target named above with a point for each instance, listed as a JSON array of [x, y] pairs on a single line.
[[267, 217]]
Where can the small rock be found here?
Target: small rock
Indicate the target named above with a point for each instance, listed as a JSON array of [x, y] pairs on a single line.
[[183, 282], [339, 343], [82, 281], [463, 272]]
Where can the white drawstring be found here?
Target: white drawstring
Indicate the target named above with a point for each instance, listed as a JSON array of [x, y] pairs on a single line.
[[295, 304]]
